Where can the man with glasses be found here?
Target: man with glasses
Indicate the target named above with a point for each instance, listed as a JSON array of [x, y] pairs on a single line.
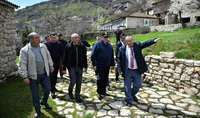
[[102, 58], [131, 65], [56, 52], [118, 45]]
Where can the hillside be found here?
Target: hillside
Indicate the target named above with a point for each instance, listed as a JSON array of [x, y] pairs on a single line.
[[68, 16]]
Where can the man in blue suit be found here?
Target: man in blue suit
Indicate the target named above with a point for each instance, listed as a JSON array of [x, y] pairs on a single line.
[[131, 65]]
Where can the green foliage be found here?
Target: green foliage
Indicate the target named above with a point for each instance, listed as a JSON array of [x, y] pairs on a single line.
[[24, 34], [172, 92], [17, 59], [195, 96]]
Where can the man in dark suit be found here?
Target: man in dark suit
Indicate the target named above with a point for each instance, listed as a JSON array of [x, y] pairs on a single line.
[[118, 45], [131, 65]]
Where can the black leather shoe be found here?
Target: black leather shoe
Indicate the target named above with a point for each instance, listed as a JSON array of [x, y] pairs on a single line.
[[117, 79], [107, 94], [53, 95], [129, 104], [36, 114], [78, 99], [46, 105], [135, 98], [71, 96], [99, 96], [109, 88]]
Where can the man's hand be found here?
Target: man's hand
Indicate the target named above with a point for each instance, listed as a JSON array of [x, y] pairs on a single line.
[[85, 70], [158, 39], [27, 81], [52, 68], [95, 68]]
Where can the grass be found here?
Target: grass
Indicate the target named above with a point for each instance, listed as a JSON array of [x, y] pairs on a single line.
[[17, 59], [184, 42], [16, 101]]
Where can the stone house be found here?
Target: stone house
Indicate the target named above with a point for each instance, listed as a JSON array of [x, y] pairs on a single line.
[[160, 9], [8, 65], [130, 21]]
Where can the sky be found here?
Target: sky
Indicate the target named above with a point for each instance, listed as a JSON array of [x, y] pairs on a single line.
[[24, 3]]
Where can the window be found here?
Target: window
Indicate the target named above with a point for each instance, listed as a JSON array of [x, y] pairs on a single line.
[[186, 20], [146, 22], [198, 18]]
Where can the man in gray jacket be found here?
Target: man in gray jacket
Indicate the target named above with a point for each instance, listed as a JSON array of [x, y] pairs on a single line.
[[35, 65]]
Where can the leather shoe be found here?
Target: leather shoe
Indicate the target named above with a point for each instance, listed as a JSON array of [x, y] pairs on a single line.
[[53, 95], [107, 94], [117, 79], [36, 114], [135, 98], [129, 104], [46, 105], [78, 99], [71, 96], [99, 96]]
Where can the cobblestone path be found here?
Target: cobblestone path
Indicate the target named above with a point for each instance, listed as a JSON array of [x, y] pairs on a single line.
[[154, 101]]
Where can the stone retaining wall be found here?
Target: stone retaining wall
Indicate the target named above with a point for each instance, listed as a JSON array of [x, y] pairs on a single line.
[[177, 74], [172, 27], [8, 65]]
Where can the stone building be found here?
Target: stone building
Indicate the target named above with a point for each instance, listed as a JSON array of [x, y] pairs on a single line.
[[8, 65], [130, 21]]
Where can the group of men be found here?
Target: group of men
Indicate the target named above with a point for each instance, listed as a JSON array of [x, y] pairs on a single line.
[[40, 62]]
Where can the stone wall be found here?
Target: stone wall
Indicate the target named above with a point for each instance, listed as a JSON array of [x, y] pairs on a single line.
[[177, 74], [172, 27], [8, 65]]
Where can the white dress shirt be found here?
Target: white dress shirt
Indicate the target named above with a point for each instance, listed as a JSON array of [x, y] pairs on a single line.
[[128, 52]]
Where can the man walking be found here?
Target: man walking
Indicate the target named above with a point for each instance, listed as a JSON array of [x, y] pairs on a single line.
[[35, 63], [75, 60], [118, 45], [118, 32], [131, 65], [102, 58], [56, 52]]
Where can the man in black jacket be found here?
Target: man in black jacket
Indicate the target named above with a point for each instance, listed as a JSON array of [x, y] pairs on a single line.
[[74, 60], [131, 65], [118, 45]]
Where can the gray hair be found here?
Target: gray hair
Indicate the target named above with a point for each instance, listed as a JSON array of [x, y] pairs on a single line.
[[31, 35], [74, 34]]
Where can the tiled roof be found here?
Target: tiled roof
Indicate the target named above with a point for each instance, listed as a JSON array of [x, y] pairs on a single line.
[[141, 15], [9, 3]]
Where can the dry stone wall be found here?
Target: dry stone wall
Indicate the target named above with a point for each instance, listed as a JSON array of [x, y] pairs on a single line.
[[8, 65], [175, 74]]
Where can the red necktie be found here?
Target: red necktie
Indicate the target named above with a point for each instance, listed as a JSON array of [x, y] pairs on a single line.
[[131, 58]]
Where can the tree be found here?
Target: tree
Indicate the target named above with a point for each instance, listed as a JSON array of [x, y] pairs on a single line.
[[24, 34], [178, 7]]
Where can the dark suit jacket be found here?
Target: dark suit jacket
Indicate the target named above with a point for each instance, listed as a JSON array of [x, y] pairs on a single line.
[[122, 63], [118, 45]]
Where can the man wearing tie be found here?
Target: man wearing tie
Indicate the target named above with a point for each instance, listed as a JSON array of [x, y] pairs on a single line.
[[131, 65]]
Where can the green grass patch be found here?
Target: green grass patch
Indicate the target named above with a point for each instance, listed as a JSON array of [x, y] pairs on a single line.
[[195, 96], [17, 59], [16, 101]]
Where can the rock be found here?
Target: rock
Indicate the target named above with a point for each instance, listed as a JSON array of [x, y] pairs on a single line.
[[125, 112], [167, 54], [113, 113], [157, 111], [101, 113]]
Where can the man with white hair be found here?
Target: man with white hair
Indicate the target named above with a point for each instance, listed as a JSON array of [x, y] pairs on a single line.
[[35, 65], [75, 59], [131, 64]]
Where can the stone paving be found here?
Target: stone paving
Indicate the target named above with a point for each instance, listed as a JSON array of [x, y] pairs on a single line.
[[154, 101]]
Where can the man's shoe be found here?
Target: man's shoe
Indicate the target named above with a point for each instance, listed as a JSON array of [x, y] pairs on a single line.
[[99, 96], [107, 94], [109, 88], [129, 104], [53, 95], [117, 79], [78, 99], [56, 90], [46, 105], [71, 96], [135, 98], [36, 114]]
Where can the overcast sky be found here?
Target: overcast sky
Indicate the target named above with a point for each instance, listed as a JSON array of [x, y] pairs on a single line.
[[24, 3]]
